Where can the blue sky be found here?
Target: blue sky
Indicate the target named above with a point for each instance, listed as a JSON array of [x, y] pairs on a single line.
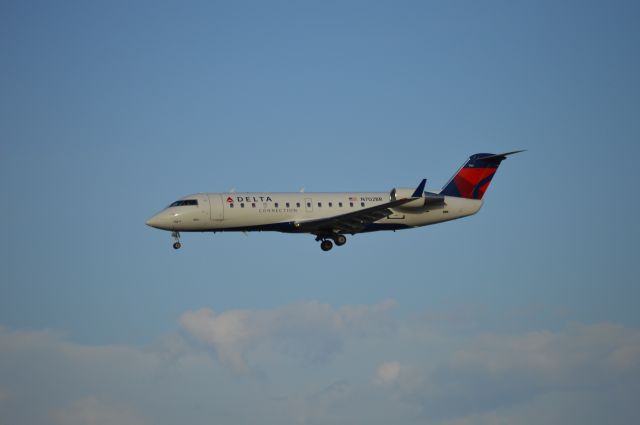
[[110, 111]]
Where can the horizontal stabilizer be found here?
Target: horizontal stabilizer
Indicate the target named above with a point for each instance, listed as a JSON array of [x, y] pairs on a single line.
[[501, 156]]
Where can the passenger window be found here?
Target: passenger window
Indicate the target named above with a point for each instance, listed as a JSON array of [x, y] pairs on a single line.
[[340, 204], [330, 204], [351, 204], [275, 205], [287, 205], [241, 204], [319, 204], [230, 205], [308, 204], [253, 205], [362, 204], [297, 204]]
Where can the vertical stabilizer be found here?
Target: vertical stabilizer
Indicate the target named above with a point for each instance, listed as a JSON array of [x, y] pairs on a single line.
[[472, 180]]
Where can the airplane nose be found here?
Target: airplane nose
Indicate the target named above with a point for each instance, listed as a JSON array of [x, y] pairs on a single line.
[[153, 221]]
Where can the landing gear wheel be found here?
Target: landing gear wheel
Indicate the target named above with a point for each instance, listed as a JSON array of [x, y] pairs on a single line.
[[326, 245], [176, 240], [340, 240]]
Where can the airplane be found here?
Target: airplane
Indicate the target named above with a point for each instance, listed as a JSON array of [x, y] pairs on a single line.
[[332, 216]]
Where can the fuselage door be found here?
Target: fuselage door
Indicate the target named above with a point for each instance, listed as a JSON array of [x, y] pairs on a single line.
[[217, 207], [204, 210]]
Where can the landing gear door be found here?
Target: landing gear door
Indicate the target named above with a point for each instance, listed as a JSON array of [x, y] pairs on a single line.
[[217, 207]]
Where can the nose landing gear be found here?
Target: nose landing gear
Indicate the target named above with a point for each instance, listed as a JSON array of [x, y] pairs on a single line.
[[176, 239]]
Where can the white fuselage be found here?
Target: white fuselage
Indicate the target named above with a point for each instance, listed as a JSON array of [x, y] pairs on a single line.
[[279, 211]]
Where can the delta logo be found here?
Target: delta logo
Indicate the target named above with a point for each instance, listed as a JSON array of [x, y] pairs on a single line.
[[249, 199]]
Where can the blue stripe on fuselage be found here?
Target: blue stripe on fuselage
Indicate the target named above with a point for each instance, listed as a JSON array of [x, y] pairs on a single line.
[[290, 228]]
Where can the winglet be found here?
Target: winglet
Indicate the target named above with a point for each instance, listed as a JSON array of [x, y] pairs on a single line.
[[420, 189]]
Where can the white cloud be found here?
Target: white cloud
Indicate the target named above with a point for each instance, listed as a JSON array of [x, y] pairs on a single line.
[[49, 380], [91, 411], [561, 407], [308, 331], [387, 373], [561, 358], [230, 333], [489, 372], [422, 375]]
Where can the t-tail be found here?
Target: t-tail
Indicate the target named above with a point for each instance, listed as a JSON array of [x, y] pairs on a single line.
[[472, 180]]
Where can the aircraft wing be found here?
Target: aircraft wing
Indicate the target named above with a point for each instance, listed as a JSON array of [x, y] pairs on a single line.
[[352, 222]]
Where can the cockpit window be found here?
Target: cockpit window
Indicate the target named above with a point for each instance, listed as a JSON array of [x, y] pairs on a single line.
[[184, 202]]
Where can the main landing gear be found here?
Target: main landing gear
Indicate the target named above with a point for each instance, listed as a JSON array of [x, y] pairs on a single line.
[[326, 243], [176, 240], [340, 240]]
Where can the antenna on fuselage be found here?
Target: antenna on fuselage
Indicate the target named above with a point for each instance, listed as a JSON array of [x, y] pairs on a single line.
[[232, 190], [302, 190]]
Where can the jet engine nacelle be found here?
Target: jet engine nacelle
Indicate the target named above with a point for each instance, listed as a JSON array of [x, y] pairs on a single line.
[[402, 192], [425, 202]]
